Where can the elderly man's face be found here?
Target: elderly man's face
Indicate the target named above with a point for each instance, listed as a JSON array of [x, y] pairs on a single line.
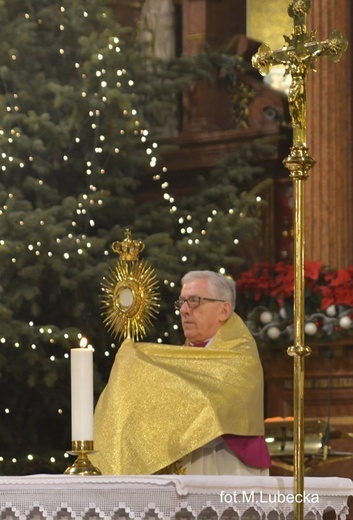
[[202, 323]]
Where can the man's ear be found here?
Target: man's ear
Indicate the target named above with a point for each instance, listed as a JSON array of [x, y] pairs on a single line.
[[225, 311]]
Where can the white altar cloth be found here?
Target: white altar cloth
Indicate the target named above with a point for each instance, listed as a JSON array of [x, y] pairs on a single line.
[[167, 497]]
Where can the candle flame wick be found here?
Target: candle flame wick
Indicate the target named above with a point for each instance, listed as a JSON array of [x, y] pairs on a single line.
[[83, 342]]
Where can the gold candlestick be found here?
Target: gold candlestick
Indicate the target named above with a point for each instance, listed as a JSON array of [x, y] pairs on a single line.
[[298, 56], [82, 465]]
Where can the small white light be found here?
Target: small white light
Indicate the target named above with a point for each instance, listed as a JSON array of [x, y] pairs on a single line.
[[345, 322], [331, 310], [283, 313], [273, 333], [266, 317], [310, 328]]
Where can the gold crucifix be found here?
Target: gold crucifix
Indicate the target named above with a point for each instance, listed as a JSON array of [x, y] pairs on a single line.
[[298, 56]]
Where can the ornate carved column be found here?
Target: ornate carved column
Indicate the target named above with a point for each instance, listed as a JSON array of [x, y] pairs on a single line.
[[329, 189]]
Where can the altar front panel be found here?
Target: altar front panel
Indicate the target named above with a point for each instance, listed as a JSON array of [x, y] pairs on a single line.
[[67, 497]]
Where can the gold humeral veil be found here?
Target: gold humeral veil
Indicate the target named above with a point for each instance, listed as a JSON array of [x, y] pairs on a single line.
[[164, 401]]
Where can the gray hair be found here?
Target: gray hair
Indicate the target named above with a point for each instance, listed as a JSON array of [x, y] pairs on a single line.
[[220, 286]]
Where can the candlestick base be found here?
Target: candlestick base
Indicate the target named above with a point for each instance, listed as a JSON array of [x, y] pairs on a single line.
[[82, 465]]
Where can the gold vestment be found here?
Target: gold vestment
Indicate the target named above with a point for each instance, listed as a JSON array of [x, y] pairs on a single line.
[[164, 401]]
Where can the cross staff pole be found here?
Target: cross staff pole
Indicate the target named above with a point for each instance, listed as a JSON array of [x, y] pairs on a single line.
[[298, 56]]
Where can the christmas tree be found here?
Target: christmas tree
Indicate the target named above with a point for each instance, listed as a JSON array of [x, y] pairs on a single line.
[[81, 109]]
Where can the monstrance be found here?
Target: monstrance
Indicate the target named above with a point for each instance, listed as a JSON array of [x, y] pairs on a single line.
[[130, 292]]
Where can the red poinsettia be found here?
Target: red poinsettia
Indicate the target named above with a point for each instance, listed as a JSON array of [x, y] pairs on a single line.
[[283, 282], [258, 281], [338, 288], [277, 282]]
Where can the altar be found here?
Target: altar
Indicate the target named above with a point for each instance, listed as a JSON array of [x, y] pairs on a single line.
[[171, 497]]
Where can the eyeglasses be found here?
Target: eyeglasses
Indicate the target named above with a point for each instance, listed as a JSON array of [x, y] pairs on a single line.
[[194, 301]]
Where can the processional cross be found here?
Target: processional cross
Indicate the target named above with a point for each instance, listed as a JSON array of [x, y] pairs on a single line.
[[298, 56]]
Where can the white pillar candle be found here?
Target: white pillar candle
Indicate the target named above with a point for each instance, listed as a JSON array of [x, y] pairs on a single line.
[[81, 394]]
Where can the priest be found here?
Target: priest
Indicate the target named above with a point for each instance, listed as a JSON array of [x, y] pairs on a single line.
[[191, 409]]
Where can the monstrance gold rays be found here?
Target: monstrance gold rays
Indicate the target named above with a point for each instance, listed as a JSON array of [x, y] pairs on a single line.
[[130, 292]]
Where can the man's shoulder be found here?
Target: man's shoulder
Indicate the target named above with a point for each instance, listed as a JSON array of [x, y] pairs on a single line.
[[235, 328]]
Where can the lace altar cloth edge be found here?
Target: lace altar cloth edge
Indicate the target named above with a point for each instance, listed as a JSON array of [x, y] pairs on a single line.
[[136, 496]]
